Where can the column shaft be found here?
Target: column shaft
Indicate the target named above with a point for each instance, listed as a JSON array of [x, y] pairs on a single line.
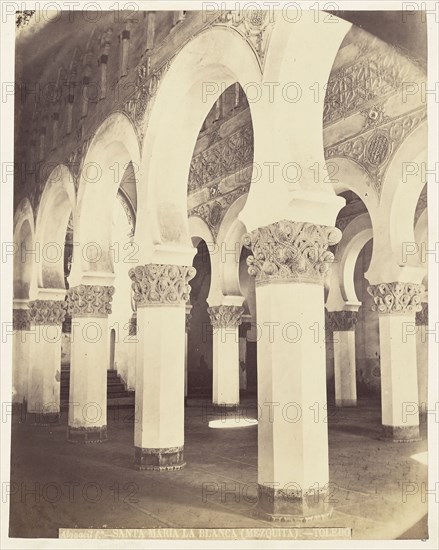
[[46, 317], [89, 306], [396, 304], [225, 321], [399, 378], [342, 323], [344, 369], [290, 260], [161, 292], [20, 355]]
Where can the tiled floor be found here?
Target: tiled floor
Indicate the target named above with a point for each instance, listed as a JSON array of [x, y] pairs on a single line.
[[57, 484]]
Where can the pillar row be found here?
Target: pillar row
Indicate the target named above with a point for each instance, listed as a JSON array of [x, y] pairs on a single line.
[[225, 320], [290, 260], [396, 304], [89, 306], [161, 292], [342, 325], [46, 318]]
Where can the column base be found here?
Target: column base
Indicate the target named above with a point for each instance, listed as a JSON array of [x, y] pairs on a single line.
[[345, 402], [43, 419], [166, 458], [94, 434], [400, 434], [279, 505]]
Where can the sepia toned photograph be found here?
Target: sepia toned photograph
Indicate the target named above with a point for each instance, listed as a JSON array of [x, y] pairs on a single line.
[[219, 311]]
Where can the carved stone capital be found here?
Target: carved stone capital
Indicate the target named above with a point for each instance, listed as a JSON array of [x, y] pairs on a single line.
[[47, 312], [20, 319], [225, 316], [402, 298], [422, 315], [337, 321], [90, 300], [291, 251], [161, 284]]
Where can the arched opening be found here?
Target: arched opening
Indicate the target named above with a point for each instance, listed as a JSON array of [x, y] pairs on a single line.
[[343, 302], [23, 272], [219, 181], [23, 261], [367, 337], [113, 152], [122, 308], [199, 352], [226, 59]]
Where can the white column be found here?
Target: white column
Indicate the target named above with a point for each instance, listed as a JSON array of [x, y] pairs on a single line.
[[289, 261], [20, 352], [342, 324], [422, 356], [396, 304], [89, 306], [161, 292], [225, 320], [46, 318]]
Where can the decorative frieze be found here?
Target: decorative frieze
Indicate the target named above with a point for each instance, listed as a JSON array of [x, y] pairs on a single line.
[[422, 315], [161, 284], [145, 88], [377, 74], [337, 321], [47, 312], [90, 300], [20, 319], [225, 316], [225, 157], [131, 217], [291, 251], [396, 297], [213, 211], [373, 149]]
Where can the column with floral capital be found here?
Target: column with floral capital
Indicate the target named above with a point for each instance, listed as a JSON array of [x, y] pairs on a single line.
[[89, 306], [161, 292], [290, 261], [45, 318], [225, 321], [397, 304]]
